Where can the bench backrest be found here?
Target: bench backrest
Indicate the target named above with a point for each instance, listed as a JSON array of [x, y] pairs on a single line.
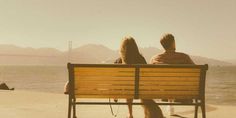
[[137, 81]]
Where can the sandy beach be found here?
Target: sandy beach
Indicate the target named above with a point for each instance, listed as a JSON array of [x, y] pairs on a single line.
[[28, 104]]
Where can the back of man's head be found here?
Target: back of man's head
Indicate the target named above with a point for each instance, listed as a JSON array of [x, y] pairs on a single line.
[[167, 41]]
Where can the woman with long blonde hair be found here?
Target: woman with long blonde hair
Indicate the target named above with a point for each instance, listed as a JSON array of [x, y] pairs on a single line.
[[129, 54]]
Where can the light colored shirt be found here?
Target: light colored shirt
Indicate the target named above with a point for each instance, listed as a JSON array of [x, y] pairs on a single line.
[[171, 57]]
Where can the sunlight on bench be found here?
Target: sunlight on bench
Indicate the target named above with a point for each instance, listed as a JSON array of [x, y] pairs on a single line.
[[185, 82]]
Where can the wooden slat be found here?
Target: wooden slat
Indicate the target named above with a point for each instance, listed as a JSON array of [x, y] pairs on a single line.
[[152, 83], [169, 74], [193, 79], [182, 70], [141, 96], [99, 78], [104, 92], [122, 86], [187, 88], [105, 87], [91, 83], [101, 69], [170, 92], [105, 74], [105, 96], [105, 82]]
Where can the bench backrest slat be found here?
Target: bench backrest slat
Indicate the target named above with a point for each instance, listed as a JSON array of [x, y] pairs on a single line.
[[137, 81]]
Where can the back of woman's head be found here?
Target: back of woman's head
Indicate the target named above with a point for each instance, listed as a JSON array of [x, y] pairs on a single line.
[[129, 51]]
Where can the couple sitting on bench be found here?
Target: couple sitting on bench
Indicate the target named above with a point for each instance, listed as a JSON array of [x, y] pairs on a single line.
[[129, 54]]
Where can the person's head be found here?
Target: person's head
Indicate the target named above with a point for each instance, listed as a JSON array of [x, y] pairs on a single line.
[[129, 50], [168, 42]]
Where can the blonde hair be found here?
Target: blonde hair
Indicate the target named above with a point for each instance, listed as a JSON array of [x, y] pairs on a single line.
[[129, 50]]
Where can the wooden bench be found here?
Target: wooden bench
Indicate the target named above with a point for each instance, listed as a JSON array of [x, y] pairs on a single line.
[[137, 82]]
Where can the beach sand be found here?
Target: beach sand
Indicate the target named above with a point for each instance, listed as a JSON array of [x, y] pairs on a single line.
[[28, 104]]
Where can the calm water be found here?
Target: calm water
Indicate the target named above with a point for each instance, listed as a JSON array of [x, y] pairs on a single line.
[[35, 78], [220, 86]]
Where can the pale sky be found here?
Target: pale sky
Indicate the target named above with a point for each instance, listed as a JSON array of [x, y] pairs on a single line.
[[201, 27]]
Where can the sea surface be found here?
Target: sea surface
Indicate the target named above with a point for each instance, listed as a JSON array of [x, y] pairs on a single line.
[[220, 84]]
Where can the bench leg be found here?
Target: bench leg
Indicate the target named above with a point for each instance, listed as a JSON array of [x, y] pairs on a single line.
[[69, 108], [74, 109], [203, 110], [196, 111]]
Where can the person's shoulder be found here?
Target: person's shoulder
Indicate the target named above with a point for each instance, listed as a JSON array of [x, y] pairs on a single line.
[[155, 59], [182, 54], [185, 57], [158, 55]]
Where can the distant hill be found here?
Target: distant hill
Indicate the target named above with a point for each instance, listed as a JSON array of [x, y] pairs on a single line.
[[14, 50], [212, 62], [90, 53], [13, 55], [233, 61]]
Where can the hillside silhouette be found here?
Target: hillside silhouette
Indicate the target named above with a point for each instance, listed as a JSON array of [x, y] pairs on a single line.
[[90, 53]]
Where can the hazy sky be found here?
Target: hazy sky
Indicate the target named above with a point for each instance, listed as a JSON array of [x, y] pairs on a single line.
[[202, 27]]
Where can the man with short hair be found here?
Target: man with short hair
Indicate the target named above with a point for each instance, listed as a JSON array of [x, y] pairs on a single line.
[[170, 56]]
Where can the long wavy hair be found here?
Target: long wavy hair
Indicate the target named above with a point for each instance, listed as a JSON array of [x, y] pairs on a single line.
[[129, 51]]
